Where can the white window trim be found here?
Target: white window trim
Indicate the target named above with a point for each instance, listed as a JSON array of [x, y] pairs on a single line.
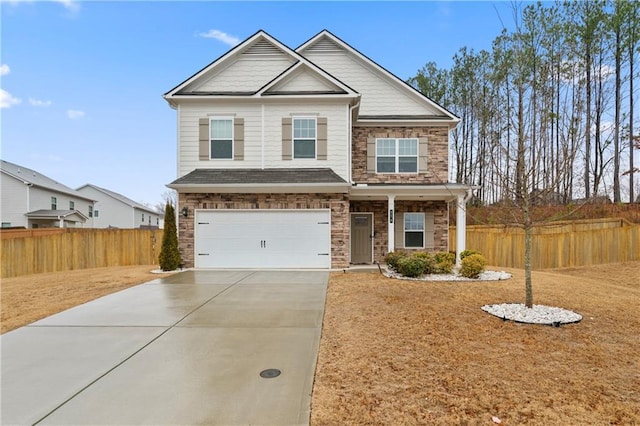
[[233, 122], [404, 230], [293, 139], [397, 157]]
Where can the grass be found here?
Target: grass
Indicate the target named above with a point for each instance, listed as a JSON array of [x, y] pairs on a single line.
[[406, 352]]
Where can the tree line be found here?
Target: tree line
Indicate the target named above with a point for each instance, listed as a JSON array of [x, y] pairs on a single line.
[[548, 112]]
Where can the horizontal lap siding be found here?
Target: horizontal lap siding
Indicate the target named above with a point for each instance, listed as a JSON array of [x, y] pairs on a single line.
[[379, 96], [337, 135], [189, 135], [246, 74]]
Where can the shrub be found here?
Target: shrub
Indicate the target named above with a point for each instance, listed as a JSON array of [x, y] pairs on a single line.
[[473, 265], [169, 254], [466, 253], [412, 267], [392, 258], [429, 263], [443, 262]]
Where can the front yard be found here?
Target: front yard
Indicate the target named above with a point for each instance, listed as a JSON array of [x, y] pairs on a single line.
[[410, 352]]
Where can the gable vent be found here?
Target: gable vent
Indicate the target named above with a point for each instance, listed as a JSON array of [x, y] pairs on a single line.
[[263, 47], [324, 45]]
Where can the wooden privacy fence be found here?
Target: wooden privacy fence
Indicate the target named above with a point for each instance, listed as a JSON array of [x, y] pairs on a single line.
[[31, 251], [556, 245]]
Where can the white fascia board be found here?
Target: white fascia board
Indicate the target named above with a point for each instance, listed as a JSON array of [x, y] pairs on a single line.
[[225, 57], [303, 62], [262, 98], [297, 188], [418, 122]]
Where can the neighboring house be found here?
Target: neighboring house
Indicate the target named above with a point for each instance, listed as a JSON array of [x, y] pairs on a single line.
[[32, 200], [309, 158], [113, 210]]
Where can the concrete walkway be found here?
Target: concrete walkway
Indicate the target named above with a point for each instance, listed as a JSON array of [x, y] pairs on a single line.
[[184, 349]]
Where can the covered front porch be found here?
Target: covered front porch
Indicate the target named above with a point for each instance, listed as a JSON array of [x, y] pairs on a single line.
[[386, 218]]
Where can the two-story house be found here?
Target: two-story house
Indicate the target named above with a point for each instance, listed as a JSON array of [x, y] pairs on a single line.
[[114, 210], [33, 200], [314, 157]]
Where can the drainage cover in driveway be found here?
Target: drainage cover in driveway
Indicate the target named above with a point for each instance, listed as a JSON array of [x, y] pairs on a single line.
[[270, 373]]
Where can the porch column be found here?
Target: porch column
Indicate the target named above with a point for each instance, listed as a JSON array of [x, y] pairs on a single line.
[[391, 217], [461, 227]]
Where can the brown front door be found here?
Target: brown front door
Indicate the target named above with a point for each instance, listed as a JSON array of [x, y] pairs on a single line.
[[361, 237]]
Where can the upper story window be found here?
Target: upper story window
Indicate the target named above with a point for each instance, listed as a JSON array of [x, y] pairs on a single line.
[[414, 230], [72, 205], [396, 155], [304, 138], [143, 217], [90, 211], [54, 203], [221, 138]]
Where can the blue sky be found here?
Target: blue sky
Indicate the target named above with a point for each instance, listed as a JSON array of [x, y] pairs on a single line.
[[81, 82]]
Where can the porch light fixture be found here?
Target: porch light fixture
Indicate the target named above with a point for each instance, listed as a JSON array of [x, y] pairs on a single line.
[[185, 211]]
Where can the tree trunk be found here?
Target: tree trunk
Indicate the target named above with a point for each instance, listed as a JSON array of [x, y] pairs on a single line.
[[527, 259]]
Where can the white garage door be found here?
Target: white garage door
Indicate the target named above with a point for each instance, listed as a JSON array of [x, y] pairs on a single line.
[[263, 239]]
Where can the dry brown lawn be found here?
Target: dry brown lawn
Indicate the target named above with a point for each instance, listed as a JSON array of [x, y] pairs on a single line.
[[403, 352], [30, 298]]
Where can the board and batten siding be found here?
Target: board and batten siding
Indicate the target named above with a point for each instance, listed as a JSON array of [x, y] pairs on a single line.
[[379, 96], [336, 114], [14, 201], [245, 74]]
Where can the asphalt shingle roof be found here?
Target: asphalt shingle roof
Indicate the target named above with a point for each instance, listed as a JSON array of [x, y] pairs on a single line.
[[259, 176]]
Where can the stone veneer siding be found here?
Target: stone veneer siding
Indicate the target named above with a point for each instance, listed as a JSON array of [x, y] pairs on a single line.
[[338, 203], [380, 218], [437, 154]]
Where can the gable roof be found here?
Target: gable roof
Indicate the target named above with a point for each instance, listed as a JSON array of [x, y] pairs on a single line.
[[262, 45], [325, 41], [32, 177], [57, 214], [121, 198]]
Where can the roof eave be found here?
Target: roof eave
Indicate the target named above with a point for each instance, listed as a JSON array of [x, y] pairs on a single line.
[[261, 188]]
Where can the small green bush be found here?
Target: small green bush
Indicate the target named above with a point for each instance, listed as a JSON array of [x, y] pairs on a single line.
[[473, 265], [392, 258], [443, 262], [429, 262], [466, 253], [412, 267]]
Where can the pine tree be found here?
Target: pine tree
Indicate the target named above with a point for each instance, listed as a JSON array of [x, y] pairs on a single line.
[[170, 258]]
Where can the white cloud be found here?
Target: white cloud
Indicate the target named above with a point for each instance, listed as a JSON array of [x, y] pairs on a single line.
[[7, 100], [72, 6], [4, 69], [75, 114], [39, 102], [221, 36]]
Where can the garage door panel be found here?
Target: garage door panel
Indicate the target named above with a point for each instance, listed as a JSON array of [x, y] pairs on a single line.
[[263, 239]]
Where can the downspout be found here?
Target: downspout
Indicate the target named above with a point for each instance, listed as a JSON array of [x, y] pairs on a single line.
[[262, 138], [350, 144]]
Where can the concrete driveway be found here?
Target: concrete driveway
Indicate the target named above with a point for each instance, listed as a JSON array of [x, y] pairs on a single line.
[[184, 349]]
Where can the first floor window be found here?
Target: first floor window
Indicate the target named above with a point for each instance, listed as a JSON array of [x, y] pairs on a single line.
[[414, 230], [304, 138], [397, 155], [221, 138], [54, 203]]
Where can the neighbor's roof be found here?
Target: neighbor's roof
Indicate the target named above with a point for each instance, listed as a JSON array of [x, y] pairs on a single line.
[[30, 176], [277, 176], [121, 198], [55, 214]]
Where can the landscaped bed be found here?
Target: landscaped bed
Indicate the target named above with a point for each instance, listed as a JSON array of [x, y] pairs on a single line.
[[420, 352]]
